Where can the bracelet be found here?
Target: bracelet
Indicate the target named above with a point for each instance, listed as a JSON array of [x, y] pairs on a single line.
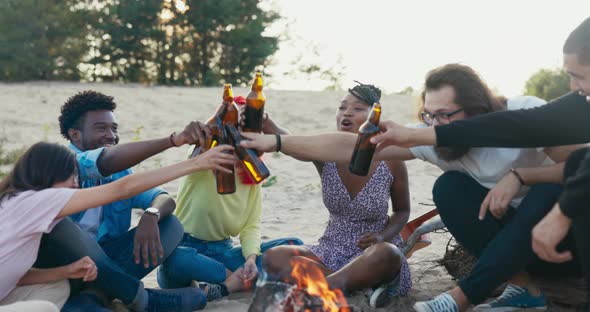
[[172, 139], [279, 145], [518, 176]]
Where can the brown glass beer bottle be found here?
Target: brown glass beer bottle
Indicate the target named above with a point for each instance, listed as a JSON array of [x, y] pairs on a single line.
[[254, 106], [364, 149], [226, 113], [226, 182], [230, 116], [253, 166]]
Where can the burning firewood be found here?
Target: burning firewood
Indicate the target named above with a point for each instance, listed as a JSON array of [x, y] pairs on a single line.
[[310, 294], [282, 297]]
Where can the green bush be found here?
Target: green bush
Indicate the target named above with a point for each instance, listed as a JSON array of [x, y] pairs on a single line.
[[548, 84]]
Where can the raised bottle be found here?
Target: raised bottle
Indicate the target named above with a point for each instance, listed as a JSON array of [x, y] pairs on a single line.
[[230, 114], [226, 113], [254, 106], [226, 182], [364, 149]]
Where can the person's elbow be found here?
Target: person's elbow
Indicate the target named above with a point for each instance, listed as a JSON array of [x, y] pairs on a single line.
[[104, 163]]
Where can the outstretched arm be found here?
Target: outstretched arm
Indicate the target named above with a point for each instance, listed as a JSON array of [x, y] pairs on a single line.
[[561, 121], [136, 183], [123, 156], [336, 147]]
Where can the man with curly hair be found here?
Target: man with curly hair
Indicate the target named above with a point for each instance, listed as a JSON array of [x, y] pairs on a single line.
[[123, 256]]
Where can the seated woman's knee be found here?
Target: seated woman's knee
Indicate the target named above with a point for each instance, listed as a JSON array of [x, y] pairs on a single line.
[[385, 254], [171, 274], [274, 258]]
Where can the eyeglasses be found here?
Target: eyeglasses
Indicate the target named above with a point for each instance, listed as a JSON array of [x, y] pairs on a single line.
[[429, 118]]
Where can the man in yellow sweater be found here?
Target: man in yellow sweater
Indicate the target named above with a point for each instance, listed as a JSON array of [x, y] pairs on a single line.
[[207, 253]]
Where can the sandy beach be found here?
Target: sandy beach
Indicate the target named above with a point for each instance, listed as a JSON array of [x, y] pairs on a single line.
[[292, 206]]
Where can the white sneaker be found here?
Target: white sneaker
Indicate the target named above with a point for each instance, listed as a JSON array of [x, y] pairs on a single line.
[[441, 303]]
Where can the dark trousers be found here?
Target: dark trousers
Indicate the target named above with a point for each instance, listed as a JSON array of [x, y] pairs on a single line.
[[581, 230], [581, 223], [503, 247], [118, 275]]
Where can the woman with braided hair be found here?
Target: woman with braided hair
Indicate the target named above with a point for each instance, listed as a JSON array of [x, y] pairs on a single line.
[[359, 248]]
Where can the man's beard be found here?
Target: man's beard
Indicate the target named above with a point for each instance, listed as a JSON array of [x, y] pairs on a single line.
[[451, 153]]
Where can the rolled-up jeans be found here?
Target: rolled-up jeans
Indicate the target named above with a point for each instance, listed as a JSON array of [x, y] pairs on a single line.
[[207, 261]]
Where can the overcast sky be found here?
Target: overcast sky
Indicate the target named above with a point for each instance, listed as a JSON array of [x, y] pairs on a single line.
[[394, 43]]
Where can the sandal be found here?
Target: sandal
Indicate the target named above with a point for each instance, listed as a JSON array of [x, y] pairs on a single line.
[[423, 242], [213, 291]]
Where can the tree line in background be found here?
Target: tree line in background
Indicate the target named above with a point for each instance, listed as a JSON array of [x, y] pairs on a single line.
[[170, 42]]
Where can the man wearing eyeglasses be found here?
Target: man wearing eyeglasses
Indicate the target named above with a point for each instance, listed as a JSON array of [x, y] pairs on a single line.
[[478, 180]]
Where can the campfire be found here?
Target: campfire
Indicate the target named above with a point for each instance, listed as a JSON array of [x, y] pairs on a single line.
[[309, 293]]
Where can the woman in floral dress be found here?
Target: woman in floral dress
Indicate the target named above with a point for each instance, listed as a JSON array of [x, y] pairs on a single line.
[[360, 246]]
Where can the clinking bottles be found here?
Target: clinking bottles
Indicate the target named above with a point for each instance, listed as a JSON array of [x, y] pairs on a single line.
[[226, 113], [226, 182], [254, 106], [253, 166], [364, 149]]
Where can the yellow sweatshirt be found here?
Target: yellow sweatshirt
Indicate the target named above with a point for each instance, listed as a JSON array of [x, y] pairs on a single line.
[[209, 216]]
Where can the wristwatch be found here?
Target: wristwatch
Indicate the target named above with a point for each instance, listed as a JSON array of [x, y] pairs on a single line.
[[153, 211]]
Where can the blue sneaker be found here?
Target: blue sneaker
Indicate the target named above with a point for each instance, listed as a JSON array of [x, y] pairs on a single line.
[[181, 300], [441, 303], [514, 298]]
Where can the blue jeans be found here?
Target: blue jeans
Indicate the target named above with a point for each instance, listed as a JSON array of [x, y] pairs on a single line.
[[503, 247], [207, 261], [118, 275]]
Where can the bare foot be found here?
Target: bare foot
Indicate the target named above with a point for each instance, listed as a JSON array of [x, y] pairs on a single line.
[[234, 281]]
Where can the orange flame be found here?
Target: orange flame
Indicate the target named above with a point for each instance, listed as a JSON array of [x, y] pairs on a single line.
[[312, 279]]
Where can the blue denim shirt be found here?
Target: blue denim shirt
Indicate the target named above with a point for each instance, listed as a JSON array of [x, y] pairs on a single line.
[[116, 217]]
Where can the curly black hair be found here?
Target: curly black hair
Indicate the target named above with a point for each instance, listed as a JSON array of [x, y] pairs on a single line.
[[74, 109], [367, 93]]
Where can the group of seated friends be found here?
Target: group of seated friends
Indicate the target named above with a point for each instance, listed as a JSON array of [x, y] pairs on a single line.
[[516, 178]]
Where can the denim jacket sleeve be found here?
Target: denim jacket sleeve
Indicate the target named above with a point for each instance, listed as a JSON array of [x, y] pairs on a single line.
[[88, 164]]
